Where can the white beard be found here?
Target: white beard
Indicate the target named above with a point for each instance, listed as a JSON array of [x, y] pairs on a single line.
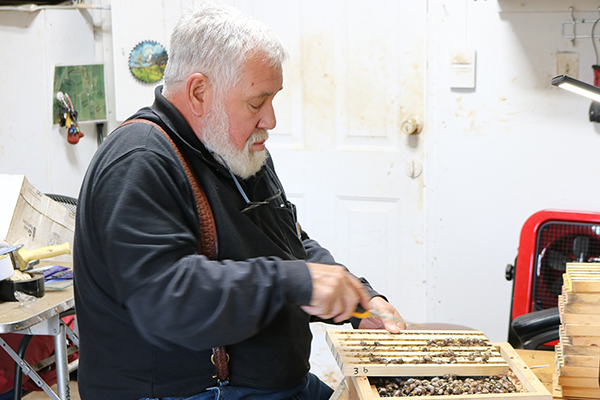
[[215, 134]]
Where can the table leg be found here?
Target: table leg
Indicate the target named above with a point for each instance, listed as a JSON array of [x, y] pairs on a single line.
[[62, 367], [18, 379], [27, 370]]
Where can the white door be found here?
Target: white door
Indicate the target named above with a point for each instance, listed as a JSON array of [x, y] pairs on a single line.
[[356, 73]]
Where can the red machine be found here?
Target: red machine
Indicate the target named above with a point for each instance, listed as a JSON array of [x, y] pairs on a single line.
[[549, 240]]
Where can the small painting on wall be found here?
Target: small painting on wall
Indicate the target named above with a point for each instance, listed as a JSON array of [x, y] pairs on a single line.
[[83, 86], [147, 61]]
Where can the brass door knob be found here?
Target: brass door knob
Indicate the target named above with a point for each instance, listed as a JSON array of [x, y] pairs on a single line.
[[412, 126]]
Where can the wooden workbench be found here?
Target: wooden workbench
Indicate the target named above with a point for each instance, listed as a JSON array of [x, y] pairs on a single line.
[[42, 318]]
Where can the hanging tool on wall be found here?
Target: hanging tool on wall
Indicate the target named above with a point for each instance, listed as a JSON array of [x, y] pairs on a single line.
[[595, 106], [594, 112], [68, 118]]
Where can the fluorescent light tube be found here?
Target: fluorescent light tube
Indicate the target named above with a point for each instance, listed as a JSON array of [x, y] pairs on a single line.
[[577, 86]]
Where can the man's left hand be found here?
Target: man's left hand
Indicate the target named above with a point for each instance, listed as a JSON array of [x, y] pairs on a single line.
[[379, 304]]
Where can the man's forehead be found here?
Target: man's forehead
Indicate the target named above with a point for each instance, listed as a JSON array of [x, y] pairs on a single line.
[[262, 81]]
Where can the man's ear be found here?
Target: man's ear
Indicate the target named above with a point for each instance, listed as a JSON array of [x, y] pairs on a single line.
[[199, 94]]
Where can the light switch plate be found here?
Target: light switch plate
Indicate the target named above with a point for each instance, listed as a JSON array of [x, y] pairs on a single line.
[[462, 69]]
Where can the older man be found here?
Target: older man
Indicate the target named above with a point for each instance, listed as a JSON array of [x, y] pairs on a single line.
[[187, 252]]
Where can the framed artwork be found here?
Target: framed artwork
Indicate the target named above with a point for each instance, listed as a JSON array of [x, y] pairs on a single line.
[[83, 86]]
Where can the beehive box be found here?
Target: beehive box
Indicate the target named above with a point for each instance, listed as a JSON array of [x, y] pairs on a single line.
[[578, 351], [362, 354], [576, 371]]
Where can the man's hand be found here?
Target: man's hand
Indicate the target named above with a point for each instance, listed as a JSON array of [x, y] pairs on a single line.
[[335, 292], [379, 304]]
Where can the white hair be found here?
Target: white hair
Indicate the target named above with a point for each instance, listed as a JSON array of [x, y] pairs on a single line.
[[216, 40]]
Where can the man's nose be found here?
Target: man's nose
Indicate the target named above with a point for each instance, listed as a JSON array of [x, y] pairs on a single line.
[[267, 120]]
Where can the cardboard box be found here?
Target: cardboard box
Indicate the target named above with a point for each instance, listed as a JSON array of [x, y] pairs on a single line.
[[29, 217]]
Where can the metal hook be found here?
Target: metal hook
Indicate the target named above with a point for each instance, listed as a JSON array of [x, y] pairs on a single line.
[[574, 25]]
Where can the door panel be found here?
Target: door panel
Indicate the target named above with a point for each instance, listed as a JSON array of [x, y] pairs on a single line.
[[369, 237], [366, 76]]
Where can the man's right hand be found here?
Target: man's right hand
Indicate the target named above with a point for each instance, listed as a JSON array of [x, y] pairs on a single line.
[[335, 292]]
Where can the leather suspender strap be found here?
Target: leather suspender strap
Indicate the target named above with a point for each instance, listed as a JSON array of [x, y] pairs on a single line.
[[220, 359], [207, 244]]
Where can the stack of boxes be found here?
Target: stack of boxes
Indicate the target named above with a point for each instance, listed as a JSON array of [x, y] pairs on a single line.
[[578, 350]]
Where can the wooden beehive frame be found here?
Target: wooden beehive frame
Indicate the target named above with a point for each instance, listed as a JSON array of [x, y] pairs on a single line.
[[355, 349], [576, 375], [357, 369], [592, 299], [582, 277], [574, 362]]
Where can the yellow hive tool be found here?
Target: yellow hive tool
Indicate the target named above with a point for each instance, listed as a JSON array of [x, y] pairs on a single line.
[[21, 257]]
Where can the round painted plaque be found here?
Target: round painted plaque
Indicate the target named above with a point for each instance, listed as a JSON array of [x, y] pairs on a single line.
[[147, 61]]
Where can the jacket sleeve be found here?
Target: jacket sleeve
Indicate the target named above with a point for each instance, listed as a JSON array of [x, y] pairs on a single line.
[[317, 254], [147, 232]]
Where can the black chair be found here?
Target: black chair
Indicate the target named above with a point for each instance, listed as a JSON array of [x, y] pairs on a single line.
[[537, 328]]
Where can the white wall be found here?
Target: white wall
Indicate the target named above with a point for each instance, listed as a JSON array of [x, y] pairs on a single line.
[[33, 44], [494, 155], [497, 154]]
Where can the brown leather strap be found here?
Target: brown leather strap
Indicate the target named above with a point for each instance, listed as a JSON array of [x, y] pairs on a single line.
[[207, 244], [220, 358]]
